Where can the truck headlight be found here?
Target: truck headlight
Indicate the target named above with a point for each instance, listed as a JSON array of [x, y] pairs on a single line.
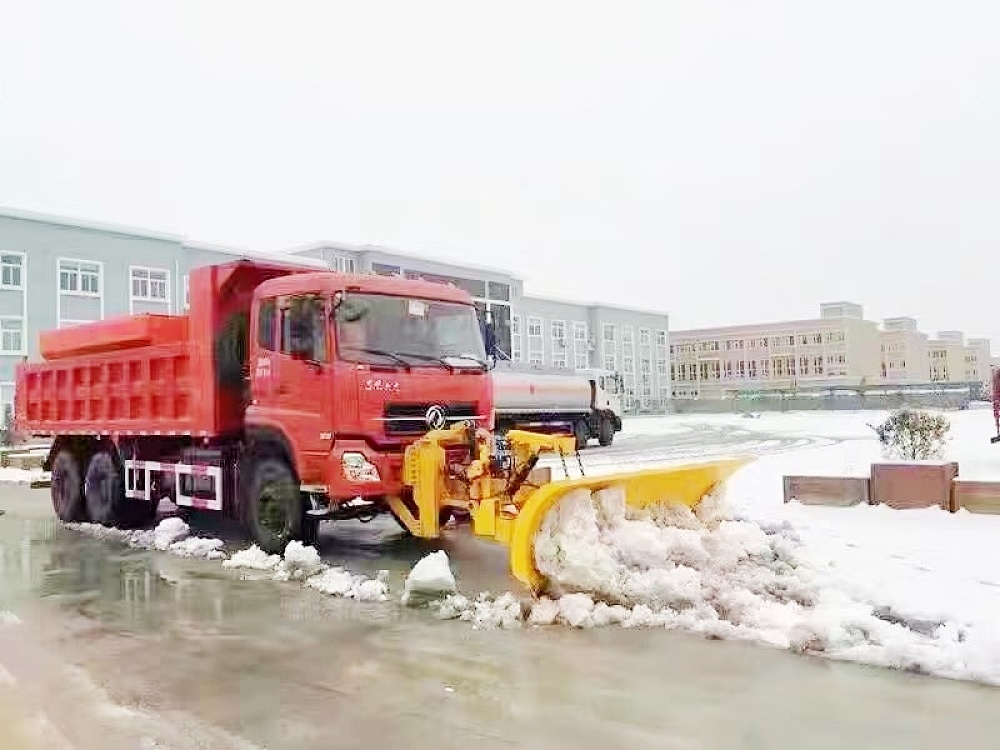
[[357, 468]]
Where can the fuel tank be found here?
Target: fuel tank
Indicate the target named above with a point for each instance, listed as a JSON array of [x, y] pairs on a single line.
[[526, 392]]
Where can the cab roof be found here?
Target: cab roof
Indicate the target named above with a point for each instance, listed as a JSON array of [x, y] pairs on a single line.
[[328, 282]]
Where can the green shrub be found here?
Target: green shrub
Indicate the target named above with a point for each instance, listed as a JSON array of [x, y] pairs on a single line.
[[911, 434]]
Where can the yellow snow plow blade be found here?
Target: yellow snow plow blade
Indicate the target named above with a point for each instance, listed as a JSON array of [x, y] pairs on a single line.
[[509, 505], [685, 484]]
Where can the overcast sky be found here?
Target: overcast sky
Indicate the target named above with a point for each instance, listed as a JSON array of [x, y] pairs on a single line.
[[725, 162]]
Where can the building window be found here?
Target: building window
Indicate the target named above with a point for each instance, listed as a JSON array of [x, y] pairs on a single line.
[[610, 362], [558, 330], [644, 339], [535, 359], [661, 338], [608, 332], [150, 285], [12, 271], [12, 335], [187, 291], [515, 325], [344, 264], [628, 364], [79, 277], [497, 291], [558, 359], [627, 335], [579, 331], [581, 361], [534, 327], [661, 366]]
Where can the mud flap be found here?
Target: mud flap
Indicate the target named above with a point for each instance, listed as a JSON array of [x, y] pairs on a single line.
[[686, 484]]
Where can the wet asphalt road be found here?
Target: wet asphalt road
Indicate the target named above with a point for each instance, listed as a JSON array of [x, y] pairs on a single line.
[[121, 648]]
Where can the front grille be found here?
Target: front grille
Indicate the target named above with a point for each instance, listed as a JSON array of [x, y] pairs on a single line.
[[411, 419]]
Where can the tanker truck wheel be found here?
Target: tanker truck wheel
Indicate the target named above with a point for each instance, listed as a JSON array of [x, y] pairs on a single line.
[[274, 510], [605, 431], [67, 488]]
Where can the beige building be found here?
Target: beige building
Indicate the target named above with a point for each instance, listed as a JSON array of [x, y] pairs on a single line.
[[953, 359], [839, 348], [904, 352]]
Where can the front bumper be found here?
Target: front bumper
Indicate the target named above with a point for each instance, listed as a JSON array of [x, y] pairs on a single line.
[[355, 470]]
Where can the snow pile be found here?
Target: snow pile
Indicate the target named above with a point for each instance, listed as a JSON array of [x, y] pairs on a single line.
[[720, 577], [428, 579], [484, 612], [340, 582], [302, 563], [171, 535], [299, 562], [252, 558]]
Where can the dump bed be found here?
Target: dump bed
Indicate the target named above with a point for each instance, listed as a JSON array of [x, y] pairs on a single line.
[[149, 374]]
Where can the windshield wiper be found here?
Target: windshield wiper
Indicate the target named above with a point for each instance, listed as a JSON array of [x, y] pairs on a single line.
[[428, 358], [381, 352]]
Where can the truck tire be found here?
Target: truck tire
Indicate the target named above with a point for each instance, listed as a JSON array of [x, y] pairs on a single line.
[[104, 493], [581, 431], [605, 431], [274, 510], [67, 488]]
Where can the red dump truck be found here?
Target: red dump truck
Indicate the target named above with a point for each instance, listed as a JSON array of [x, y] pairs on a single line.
[[286, 396]]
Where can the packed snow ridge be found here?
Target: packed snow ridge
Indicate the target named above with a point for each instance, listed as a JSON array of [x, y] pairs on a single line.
[[298, 563], [171, 535], [720, 577]]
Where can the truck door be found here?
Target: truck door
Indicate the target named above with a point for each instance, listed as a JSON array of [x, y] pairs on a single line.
[[302, 380]]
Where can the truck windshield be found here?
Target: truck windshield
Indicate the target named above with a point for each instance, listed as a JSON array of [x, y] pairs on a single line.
[[407, 331]]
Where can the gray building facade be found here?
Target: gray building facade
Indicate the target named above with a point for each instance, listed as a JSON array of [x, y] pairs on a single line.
[[57, 272]]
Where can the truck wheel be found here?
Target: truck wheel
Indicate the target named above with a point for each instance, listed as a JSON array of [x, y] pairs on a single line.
[[67, 488], [104, 492], [605, 432], [274, 511], [582, 432]]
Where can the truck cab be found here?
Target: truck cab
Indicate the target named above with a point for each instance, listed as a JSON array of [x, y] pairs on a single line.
[[345, 371], [607, 390]]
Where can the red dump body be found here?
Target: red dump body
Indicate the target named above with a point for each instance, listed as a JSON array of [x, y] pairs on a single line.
[[144, 374]]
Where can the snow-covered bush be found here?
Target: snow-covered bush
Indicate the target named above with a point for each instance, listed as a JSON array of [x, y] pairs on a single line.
[[911, 434]]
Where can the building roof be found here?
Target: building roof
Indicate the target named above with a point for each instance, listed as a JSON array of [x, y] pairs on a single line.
[[258, 254], [368, 248], [69, 221], [605, 305], [744, 328], [129, 231]]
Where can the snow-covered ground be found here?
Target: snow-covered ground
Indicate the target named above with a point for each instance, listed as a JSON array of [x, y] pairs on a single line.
[[915, 589]]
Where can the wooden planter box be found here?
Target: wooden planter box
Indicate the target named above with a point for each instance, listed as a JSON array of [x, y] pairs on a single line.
[[913, 484], [835, 491], [975, 497]]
